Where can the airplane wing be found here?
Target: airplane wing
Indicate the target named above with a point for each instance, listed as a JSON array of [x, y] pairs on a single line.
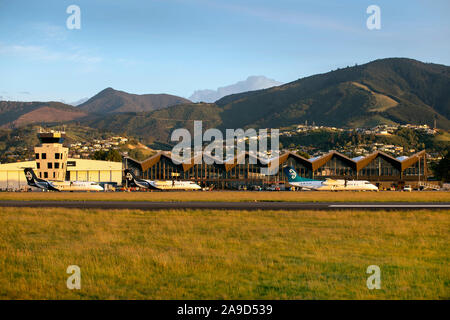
[[52, 186], [331, 182]]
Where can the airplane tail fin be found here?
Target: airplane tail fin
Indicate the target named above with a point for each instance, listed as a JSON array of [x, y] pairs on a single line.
[[293, 176], [31, 176], [34, 181], [129, 175]]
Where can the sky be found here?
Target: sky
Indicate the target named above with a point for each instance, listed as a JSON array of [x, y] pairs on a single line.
[[179, 46]]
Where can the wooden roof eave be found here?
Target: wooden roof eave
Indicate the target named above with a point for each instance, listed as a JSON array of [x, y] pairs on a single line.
[[361, 164], [405, 164], [284, 157], [318, 163]]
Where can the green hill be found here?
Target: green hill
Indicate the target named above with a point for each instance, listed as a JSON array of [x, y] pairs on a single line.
[[158, 125], [114, 101], [16, 114], [380, 92]]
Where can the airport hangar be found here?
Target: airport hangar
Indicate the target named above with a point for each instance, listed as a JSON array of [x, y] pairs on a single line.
[[379, 168], [52, 163]]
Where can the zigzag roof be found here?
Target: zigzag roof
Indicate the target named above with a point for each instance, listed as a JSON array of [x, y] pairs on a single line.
[[312, 165]]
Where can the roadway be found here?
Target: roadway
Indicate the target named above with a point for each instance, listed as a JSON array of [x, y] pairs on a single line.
[[257, 205]]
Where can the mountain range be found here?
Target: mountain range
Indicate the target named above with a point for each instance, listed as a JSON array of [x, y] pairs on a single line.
[[386, 91], [383, 91]]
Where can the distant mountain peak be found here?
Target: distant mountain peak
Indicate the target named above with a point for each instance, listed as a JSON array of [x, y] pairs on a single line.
[[252, 83], [78, 102], [110, 100]]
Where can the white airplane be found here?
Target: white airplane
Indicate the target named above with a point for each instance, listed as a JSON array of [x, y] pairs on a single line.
[[160, 184], [296, 180], [36, 182]]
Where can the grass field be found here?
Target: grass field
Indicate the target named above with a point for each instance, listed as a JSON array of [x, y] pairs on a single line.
[[235, 196], [223, 254]]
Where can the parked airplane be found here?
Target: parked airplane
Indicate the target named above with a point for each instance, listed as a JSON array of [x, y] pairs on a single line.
[[160, 184], [296, 180], [36, 182]]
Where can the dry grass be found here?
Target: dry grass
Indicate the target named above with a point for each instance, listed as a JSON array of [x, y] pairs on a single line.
[[223, 254], [235, 196]]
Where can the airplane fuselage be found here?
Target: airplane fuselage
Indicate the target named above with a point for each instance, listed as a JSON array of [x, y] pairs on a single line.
[[167, 184], [77, 186], [335, 185]]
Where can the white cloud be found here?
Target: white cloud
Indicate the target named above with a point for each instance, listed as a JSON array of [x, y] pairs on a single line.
[[51, 32], [41, 53], [283, 16]]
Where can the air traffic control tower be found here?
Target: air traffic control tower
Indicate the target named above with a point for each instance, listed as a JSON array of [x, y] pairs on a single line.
[[51, 155]]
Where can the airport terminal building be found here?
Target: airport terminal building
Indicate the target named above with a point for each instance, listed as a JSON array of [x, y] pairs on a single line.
[[378, 168], [52, 163]]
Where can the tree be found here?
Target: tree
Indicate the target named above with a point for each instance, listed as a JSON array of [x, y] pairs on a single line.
[[442, 168], [137, 154], [113, 155], [99, 155]]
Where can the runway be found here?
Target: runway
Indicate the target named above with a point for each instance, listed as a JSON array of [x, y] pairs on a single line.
[[260, 205]]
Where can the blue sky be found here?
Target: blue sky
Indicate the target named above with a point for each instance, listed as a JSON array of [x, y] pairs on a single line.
[[178, 46]]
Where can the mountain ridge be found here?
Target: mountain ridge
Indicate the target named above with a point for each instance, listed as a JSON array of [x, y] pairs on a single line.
[[110, 100], [384, 91], [333, 99], [16, 113]]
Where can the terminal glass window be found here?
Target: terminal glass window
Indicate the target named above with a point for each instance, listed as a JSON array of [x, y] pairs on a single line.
[[379, 167], [335, 167]]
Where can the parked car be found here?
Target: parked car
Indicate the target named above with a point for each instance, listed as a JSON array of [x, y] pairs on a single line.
[[273, 188], [407, 188]]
